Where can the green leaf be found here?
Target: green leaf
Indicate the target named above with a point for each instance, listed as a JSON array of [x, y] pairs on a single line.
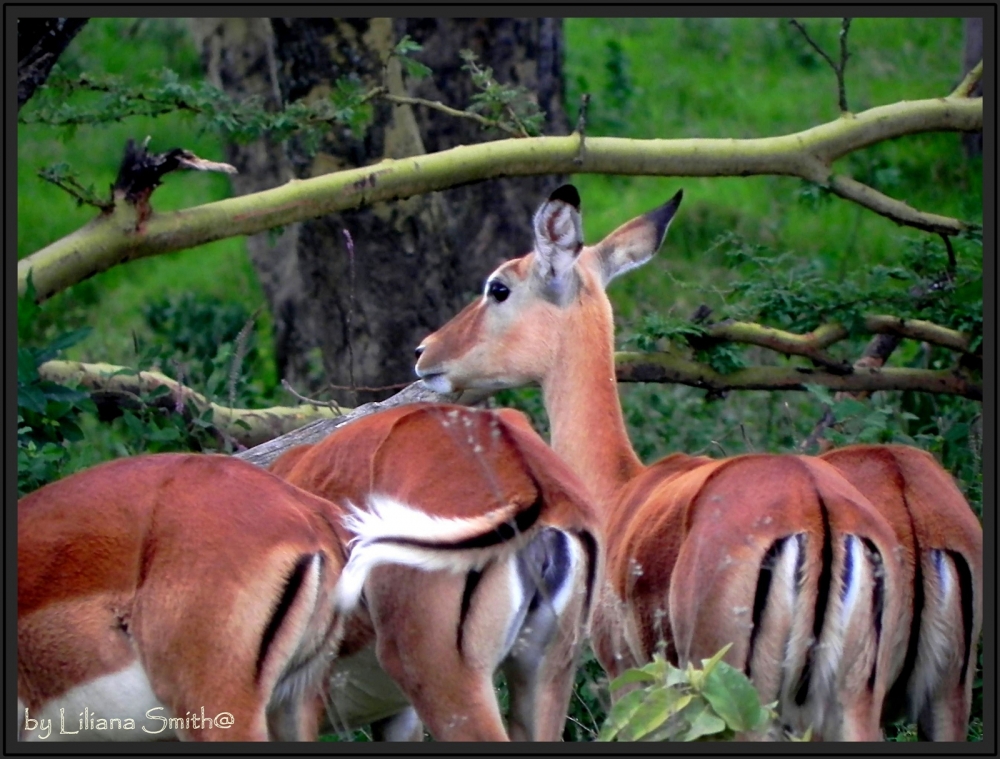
[[158, 392], [621, 713], [703, 723], [163, 435], [70, 430], [632, 676], [56, 392], [655, 709], [27, 366], [708, 665], [415, 69], [62, 342], [31, 398], [733, 697]]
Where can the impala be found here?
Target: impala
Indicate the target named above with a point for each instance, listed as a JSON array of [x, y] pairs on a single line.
[[441, 633], [779, 555], [943, 541], [212, 595]]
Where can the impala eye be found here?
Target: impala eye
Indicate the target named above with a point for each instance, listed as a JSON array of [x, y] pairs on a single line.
[[498, 291]]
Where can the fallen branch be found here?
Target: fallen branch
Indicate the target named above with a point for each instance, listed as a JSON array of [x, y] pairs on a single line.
[[113, 238], [248, 427], [670, 367]]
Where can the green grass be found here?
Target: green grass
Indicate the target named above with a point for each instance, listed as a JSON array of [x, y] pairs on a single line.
[[757, 78]]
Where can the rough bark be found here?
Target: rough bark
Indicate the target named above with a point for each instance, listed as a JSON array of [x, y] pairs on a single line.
[[413, 260], [40, 42]]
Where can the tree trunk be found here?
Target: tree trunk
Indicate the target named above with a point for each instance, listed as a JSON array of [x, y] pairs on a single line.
[[416, 261], [971, 55], [40, 42]]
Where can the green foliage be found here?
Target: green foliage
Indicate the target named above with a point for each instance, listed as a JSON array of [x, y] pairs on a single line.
[[511, 105], [48, 413], [162, 92], [798, 294], [413, 68], [200, 337], [715, 702]]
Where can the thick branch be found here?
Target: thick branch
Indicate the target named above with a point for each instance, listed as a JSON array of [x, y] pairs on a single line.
[[112, 239], [809, 346], [812, 345], [900, 212], [669, 367], [917, 329], [126, 390]]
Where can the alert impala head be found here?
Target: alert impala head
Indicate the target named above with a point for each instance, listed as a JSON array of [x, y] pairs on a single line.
[[511, 335]]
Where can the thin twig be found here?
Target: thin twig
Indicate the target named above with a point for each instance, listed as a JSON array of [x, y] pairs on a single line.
[[838, 69], [240, 353], [581, 127], [952, 261], [349, 241], [83, 195], [434, 105], [366, 389], [311, 401]]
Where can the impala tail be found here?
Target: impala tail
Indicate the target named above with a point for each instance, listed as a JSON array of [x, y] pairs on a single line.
[[391, 532]]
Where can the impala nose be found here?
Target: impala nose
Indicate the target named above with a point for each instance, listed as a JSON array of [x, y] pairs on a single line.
[[419, 351]]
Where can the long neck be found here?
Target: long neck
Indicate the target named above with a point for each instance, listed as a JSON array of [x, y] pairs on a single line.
[[585, 415]]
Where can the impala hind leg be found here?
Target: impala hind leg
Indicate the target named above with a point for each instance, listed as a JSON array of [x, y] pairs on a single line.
[[541, 666], [441, 645], [941, 684]]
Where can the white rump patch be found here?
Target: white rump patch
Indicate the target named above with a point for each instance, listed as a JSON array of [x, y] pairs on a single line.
[[381, 532], [85, 713]]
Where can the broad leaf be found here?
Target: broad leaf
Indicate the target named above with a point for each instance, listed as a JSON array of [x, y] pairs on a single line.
[[733, 697]]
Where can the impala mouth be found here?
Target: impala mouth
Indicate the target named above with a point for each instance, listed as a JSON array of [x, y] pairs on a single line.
[[436, 381]]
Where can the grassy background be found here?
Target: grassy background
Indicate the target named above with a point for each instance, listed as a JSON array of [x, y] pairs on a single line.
[[649, 78]]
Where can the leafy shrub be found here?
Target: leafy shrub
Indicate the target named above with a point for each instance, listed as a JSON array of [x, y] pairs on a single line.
[[47, 417], [712, 703]]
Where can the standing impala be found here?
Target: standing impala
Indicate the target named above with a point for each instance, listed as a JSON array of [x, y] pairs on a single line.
[[441, 635], [779, 555], [199, 597], [943, 540]]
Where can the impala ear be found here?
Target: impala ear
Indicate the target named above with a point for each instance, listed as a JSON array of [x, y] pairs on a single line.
[[635, 242], [558, 236]]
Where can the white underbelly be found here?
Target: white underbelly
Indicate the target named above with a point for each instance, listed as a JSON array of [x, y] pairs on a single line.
[[116, 707]]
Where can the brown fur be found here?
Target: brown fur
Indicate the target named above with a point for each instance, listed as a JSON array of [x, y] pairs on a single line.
[[689, 540], [455, 462], [135, 560]]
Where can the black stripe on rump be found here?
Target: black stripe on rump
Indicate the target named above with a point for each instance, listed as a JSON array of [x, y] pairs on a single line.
[[965, 587], [291, 590], [897, 695], [760, 596], [878, 601], [590, 546], [471, 582], [822, 599], [504, 532]]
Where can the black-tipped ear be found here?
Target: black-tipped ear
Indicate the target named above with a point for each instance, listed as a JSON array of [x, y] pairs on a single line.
[[567, 194], [662, 216]]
